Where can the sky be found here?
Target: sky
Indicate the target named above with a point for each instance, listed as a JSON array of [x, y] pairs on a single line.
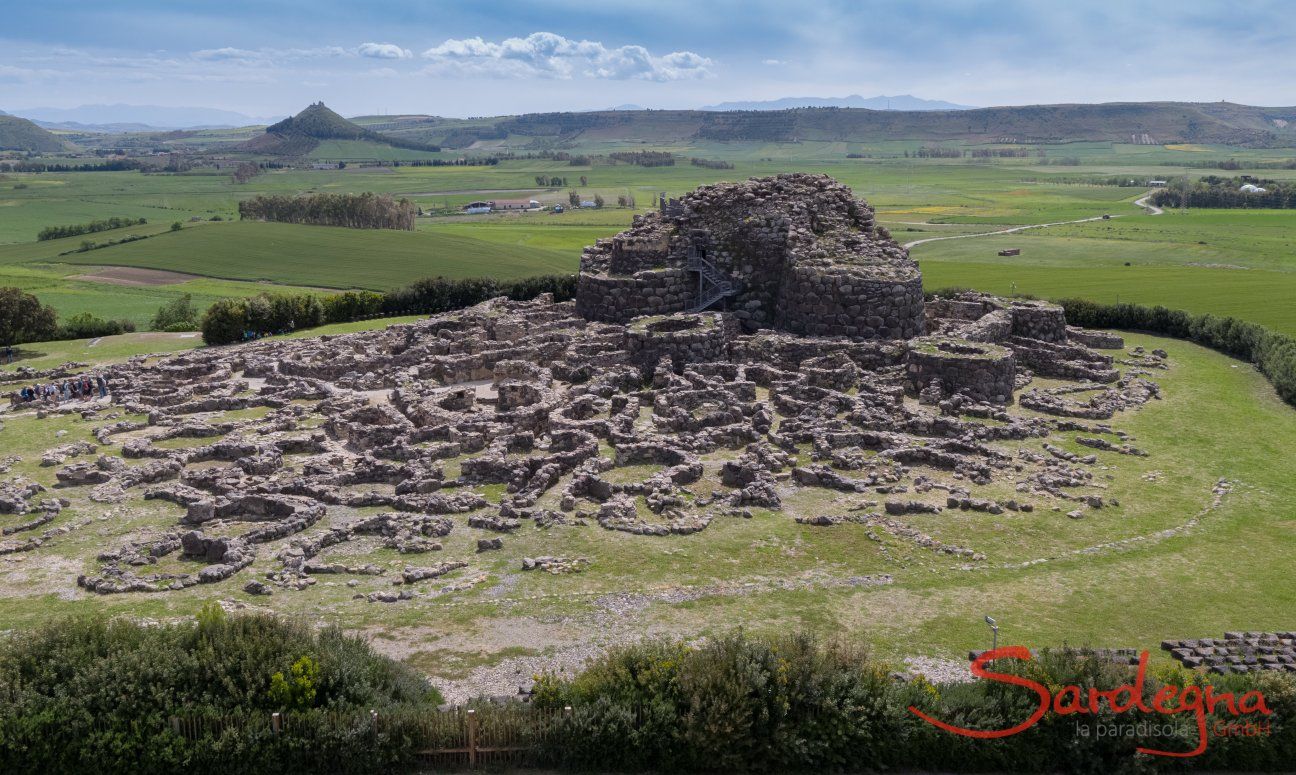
[[269, 58]]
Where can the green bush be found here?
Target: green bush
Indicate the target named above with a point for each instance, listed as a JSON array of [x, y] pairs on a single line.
[[178, 314], [224, 322], [86, 326], [1273, 353], [92, 695]]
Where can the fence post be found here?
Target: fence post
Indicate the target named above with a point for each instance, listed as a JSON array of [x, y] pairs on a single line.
[[472, 737], [276, 723]]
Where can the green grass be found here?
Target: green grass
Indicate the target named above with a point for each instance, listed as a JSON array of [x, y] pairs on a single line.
[[330, 257]]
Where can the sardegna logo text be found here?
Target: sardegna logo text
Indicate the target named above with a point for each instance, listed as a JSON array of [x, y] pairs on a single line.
[[1072, 700]]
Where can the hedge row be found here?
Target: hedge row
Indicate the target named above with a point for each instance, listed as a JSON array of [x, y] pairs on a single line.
[[238, 319], [98, 697], [1273, 353]]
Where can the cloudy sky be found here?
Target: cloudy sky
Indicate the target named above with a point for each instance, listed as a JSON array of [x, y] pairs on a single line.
[[270, 57]]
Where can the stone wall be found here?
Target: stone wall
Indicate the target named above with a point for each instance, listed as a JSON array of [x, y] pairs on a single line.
[[844, 301], [682, 338], [979, 370], [617, 299], [1038, 320]]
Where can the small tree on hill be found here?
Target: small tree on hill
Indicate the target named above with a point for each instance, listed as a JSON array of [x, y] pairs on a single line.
[[573, 198], [598, 200], [176, 315], [24, 319]]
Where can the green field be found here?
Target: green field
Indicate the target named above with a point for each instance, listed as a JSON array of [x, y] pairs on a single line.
[[1225, 262]]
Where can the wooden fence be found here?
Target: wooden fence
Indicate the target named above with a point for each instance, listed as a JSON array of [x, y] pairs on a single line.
[[513, 734]]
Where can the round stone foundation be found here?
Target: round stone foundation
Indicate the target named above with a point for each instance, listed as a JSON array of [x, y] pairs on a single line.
[[979, 370], [684, 339], [1038, 320]]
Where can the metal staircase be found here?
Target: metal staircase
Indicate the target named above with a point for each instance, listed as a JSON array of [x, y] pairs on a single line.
[[713, 285]]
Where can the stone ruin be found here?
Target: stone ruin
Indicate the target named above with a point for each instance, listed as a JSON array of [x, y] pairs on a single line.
[[798, 253], [645, 407]]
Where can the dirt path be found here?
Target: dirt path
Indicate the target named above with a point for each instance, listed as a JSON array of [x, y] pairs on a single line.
[[1151, 209]]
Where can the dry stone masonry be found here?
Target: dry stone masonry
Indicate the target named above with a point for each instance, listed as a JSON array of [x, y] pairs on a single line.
[[753, 348]]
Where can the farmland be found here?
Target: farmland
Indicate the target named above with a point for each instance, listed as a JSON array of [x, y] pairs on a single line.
[[1209, 261]]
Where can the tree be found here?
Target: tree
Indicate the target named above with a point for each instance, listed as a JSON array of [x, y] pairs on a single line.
[[245, 172], [176, 315], [584, 180], [225, 321], [598, 200], [177, 226], [573, 198], [24, 319]]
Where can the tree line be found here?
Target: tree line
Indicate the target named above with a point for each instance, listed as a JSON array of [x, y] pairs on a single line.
[[232, 320], [1220, 192], [644, 158], [77, 229], [711, 164], [353, 211], [112, 165]]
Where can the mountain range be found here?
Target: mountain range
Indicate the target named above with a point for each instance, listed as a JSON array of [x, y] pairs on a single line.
[[137, 118]]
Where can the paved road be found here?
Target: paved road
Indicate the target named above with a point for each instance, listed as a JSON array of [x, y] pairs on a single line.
[[1152, 210]]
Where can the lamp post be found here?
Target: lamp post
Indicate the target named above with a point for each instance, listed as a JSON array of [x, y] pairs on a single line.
[[994, 632]]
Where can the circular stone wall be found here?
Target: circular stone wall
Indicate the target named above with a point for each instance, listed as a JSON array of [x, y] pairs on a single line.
[[683, 338], [980, 370], [848, 301]]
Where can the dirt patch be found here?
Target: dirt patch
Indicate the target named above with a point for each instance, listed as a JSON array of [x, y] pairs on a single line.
[[135, 276]]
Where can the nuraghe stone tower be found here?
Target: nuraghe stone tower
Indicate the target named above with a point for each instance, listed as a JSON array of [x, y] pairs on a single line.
[[795, 252]]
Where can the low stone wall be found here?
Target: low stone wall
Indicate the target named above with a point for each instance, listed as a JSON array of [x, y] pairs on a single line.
[[845, 301], [618, 299], [1099, 340], [681, 338], [979, 370], [1038, 320]]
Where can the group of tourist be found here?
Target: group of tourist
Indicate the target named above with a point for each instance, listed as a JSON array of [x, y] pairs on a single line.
[[82, 388]]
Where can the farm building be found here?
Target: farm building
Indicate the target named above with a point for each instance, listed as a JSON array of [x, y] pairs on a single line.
[[473, 208], [514, 204]]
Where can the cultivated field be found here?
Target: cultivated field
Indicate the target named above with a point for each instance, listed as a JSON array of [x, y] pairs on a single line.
[[1227, 262]]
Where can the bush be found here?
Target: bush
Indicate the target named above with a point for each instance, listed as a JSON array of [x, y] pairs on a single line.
[[92, 695], [178, 314], [737, 703], [86, 326], [1273, 353], [57, 232], [224, 322]]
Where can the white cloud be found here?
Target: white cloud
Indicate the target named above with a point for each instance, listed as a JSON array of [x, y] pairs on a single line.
[[244, 55], [774, 62], [383, 51], [547, 55], [226, 54]]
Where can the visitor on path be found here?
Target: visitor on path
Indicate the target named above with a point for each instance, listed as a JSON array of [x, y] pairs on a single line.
[[103, 385], [8, 353]]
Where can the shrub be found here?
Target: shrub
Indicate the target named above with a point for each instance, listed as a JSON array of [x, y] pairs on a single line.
[[92, 695], [177, 314], [57, 232], [225, 321], [87, 326]]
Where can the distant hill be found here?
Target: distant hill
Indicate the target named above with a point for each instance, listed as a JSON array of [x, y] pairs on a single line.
[[899, 102], [1146, 123], [299, 134], [19, 134], [117, 118]]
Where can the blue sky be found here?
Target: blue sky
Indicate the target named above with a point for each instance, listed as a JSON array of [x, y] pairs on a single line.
[[270, 58]]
